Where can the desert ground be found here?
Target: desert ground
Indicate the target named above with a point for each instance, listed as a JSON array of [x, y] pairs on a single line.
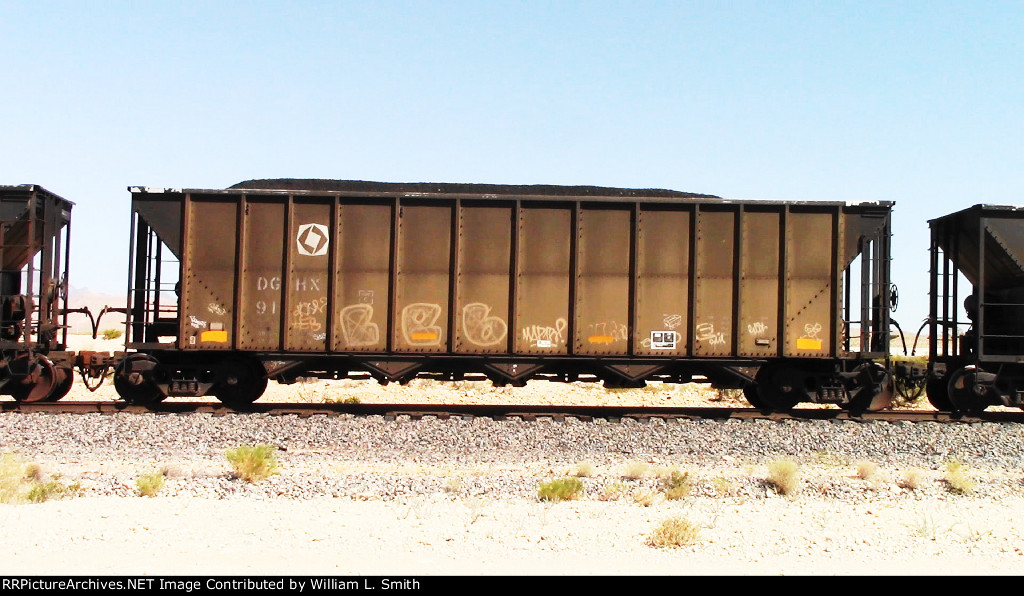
[[206, 523]]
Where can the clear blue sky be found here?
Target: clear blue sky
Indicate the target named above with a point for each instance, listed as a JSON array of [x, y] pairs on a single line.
[[921, 103]]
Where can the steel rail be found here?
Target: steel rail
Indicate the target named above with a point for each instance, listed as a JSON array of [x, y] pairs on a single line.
[[502, 412]]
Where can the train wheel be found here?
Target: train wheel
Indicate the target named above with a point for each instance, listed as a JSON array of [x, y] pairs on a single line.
[[778, 387], [39, 379], [750, 392], [964, 392], [241, 383], [875, 389], [132, 383], [65, 379], [937, 390]]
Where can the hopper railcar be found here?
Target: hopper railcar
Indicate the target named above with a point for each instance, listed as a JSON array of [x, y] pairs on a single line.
[[35, 228], [281, 279], [976, 355]]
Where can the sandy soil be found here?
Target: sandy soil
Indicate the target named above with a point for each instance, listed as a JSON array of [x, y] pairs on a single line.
[[435, 536]]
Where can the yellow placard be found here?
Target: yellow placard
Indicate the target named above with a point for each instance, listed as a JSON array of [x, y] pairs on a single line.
[[806, 343], [220, 336]]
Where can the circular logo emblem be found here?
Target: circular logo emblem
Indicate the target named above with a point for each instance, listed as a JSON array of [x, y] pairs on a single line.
[[312, 240]]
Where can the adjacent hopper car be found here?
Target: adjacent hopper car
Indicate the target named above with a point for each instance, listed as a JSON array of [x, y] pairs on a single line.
[[35, 229], [285, 279], [977, 362]]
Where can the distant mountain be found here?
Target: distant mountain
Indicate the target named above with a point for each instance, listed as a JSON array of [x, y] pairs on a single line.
[[78, 323]]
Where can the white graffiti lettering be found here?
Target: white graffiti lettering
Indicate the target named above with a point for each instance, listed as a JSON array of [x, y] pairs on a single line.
[[607, 332], [706, 332], [311, 308], [357, 329], [480, 328], [305, 315], [543, 336], [418, 324]]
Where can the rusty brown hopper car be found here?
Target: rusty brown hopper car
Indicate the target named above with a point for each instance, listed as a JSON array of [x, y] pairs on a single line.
[[976, 354], [35, 226], [280, 279]]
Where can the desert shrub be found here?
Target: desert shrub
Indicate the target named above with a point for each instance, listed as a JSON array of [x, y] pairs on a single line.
[[725, 486], [253, 463], [585, 470], [12, 477], [867, 470], [53, 488], [562, 489], [636, 470], [111, 333], [453, 485], [677, 485], [22, 482], [784, 475], [958, 478], [171, 471], [674, 532], [829, 459], [729, 396], [33, 472], [646, 497], [150, 484], [912, 479], [613, 491], [925, 528]]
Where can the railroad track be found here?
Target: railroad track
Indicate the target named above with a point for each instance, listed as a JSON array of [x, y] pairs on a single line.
[[500, 412]]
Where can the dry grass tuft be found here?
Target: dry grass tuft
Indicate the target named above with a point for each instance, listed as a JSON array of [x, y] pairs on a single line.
[[677, 485], [867, 470], [613, 491], [24, 482], [253, 463], [636, 470], [913, 479], [725, 487], [674, 532], [562, 489], [958, 478], [150, 484], [585, 470], [784, 476], [646, 497]]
